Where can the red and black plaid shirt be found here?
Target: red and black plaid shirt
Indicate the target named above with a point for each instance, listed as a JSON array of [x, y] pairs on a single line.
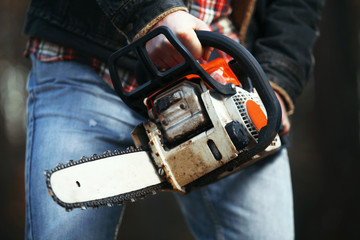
[[212, 12], [215, 13]]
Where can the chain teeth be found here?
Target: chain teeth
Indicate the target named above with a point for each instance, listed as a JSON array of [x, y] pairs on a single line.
[[110, 201]]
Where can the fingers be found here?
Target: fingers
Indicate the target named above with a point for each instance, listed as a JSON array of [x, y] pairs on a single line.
[[284, 119], [162, 52], [183, 25], [191, 42], [206, 51]]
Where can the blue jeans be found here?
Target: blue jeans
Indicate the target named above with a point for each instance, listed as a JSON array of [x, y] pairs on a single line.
[[72, 112]]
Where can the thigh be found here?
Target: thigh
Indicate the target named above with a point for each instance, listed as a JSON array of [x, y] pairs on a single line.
[[71, 112], [255, 203]]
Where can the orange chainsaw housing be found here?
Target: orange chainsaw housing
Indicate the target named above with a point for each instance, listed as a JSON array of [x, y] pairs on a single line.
[[218, 69]]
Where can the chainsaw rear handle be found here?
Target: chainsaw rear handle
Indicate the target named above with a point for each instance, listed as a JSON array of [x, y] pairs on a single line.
[[157, 79], [250, 66]]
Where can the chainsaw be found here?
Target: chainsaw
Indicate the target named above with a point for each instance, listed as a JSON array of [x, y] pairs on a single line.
[[205, 120]]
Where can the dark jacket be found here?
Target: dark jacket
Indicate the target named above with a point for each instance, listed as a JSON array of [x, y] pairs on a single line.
[[281, 33]]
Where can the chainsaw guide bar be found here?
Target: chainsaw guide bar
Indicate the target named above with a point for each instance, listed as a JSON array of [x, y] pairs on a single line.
[[109, 201]]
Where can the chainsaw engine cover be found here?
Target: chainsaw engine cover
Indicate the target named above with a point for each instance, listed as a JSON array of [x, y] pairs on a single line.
[[229, 131], [180, 112]]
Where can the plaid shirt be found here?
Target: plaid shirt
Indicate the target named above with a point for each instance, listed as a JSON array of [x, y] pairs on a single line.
[[215, 13], [212, 12]]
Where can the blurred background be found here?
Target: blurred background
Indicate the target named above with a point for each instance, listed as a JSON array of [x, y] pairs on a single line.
[[324, 153]]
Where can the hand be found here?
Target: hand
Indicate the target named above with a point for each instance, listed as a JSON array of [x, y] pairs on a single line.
[[284, 119], [183, 25]]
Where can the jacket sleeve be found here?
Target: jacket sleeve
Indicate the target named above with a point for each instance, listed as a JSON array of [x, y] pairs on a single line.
[[135, 17], [284, 49]]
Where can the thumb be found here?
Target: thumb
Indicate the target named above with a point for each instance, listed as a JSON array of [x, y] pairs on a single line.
[[206, 51], [192, 42]]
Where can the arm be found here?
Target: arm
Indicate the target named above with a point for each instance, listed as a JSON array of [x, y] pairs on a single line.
[[288, 30], [135, 18]]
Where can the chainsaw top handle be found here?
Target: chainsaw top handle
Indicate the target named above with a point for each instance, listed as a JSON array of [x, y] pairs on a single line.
[[154, 79]]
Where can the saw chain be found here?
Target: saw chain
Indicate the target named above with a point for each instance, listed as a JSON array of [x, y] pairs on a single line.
[[110, 201]]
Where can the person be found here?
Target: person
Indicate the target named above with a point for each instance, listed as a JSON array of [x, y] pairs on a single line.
[[73, 110]]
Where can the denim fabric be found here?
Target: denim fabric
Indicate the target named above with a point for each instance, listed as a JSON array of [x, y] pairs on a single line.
[[72, 112], [255, 203], [281, 36]]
